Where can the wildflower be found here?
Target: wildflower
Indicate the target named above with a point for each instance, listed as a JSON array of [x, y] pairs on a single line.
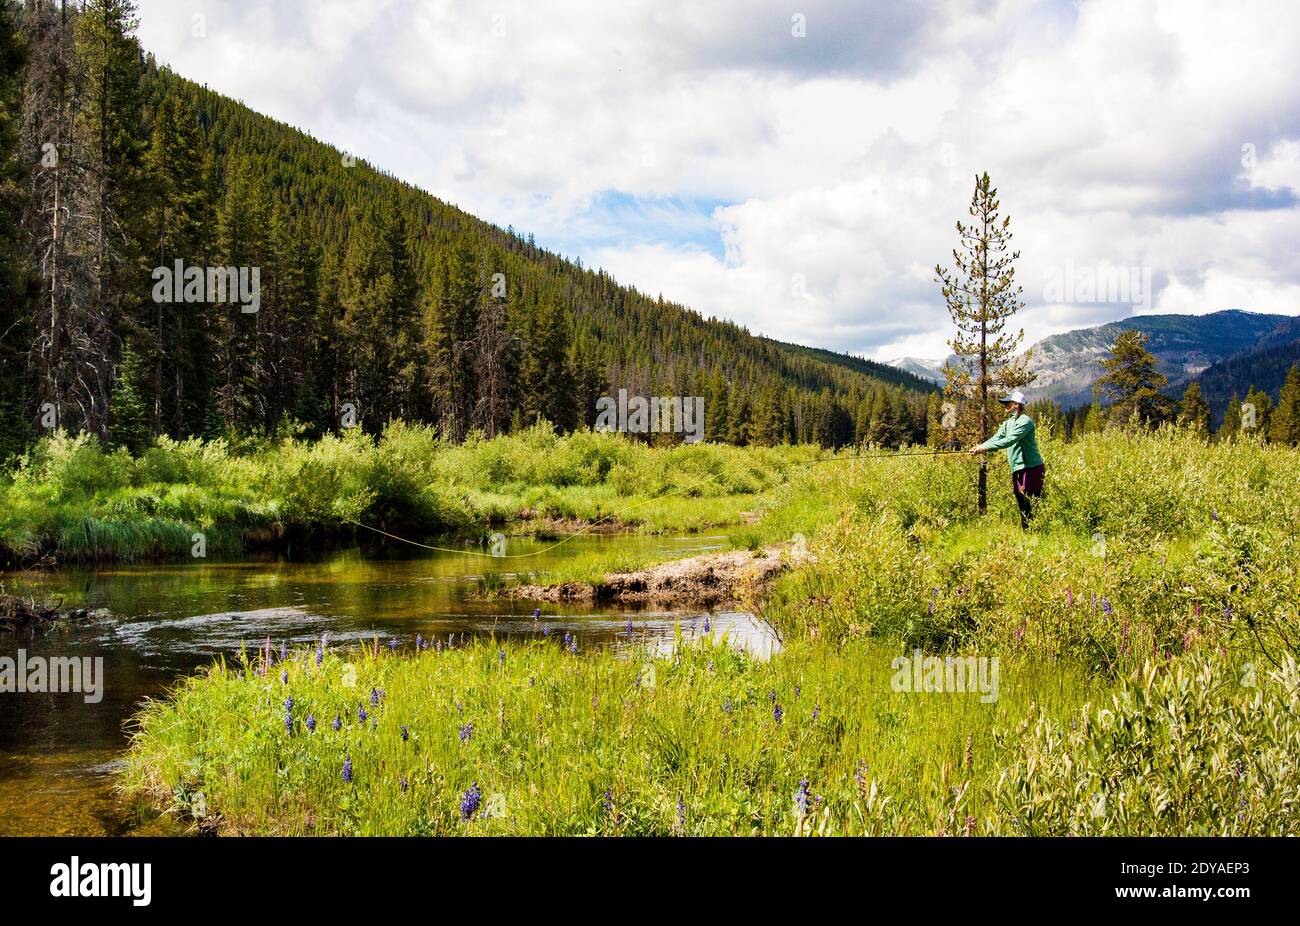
[[419, 642], [403, 784], [546, 631], [629, 626], [608, 802], [710, 665], [466, 731], [537, 613], [1105, 606], [501, 657], [1227, 612], [777, 714], [1197, 608], [726, 706], [392, 645], [284, 652], [1020, 633], [320, 651], [817, 712], [1214, 514], [532, 680], [440, 646], [361, 713], [860, 774], [284, 677], [374, 697], [347, 770], [337, 724], [970, 825], [406, 734], [288, 721], [707, 625], [801, 797], [311, 723], [568, 638], [573, 646], [470, 802], [680, 827], [771, 696], [288, 704], [798, 690]]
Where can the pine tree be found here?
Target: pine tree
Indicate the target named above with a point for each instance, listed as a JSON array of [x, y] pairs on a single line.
[[1231, 419], [982, 295], [1284, 422], [15, 288], [1256, 410], [109, 128], [1133, 382], [1195, 411]]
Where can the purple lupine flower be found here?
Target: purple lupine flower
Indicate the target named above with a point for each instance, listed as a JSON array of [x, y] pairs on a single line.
[[284, 651], [347, 770], [374, 697], [1214, 513], [537, 613], [802, 797], [501, 657], [466, 731], [288, 722], [771, 696], [777, 714], [608, 802], [419, 642], [546, 631], [470, 802], [573, 646], [338, 723], [860, 774], [311, 723], [284, 676], [681, 815], [1105, 606], [532, 680], [568, 638], [392, 645], [406, 734], [707, 625], [320, 651], [798, 690], [440, 646], [817, 712], [1227, 612], [710, 665], [629, 626], [403, 784], [726, 706], [361, 713]]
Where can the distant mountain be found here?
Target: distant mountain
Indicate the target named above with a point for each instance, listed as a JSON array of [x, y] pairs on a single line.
[[920, 367], [1185, 345], [1263, 366], [883, 372]]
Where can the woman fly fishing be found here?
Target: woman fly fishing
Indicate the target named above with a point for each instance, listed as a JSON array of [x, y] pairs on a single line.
[[1016, 436]]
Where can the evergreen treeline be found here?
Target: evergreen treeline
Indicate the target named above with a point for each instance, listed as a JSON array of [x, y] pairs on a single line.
[[377, 301]]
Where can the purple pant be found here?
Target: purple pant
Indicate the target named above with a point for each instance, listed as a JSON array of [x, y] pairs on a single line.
[[1027, 483]]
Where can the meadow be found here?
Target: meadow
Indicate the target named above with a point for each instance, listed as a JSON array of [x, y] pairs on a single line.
[[1145, 628]]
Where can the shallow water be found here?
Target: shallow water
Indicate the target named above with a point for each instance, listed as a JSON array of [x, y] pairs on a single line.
[[161, 622]]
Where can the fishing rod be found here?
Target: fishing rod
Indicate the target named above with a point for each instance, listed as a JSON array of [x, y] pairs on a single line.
[[594, 524]]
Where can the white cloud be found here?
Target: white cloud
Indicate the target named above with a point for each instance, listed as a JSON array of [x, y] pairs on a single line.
[[1115, 131]]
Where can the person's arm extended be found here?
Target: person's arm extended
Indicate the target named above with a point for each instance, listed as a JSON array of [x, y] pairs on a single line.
[[1009, 433]]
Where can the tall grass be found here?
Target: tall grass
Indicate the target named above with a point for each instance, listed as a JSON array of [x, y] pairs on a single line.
[[706, 741], [71, 498]]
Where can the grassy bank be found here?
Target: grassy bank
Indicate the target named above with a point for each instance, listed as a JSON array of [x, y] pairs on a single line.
[[533, 739], [70, 499]]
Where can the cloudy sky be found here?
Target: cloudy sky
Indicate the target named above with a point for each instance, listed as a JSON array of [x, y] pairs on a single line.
[[799, 167]]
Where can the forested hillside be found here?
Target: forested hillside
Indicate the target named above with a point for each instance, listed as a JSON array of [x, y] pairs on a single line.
[[377, 301]]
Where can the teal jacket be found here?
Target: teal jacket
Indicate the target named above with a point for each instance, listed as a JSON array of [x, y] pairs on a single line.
[[1016, 436]]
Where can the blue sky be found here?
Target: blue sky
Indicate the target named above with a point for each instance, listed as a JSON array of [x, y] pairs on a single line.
[[799, 170]]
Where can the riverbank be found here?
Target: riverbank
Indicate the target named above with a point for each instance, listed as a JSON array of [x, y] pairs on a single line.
[[70, 501], [708, 580]]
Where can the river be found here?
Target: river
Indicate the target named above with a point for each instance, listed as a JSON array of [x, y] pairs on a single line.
[[156, 623]]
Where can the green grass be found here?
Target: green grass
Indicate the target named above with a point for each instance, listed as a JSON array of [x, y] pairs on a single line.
[[609, 743], [70, 498]]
